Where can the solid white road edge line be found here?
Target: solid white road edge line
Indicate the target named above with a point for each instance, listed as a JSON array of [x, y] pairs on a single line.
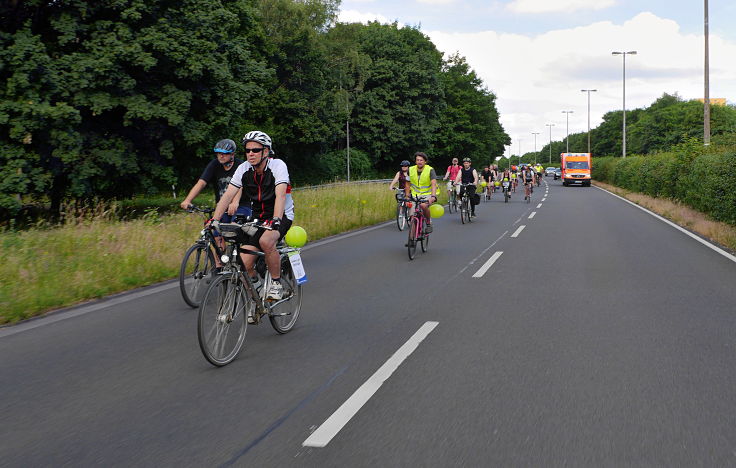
[[85, 309], [679, 228], [518, 231], [532, 215], [539, 206], [329, 429], [487, 265]]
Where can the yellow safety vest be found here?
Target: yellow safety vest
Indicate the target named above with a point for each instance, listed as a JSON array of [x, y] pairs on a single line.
[[420, 184]]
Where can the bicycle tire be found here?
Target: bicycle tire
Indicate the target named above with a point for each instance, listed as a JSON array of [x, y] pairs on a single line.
[[192, 278], [452, 201], [284, 316], [411, 243], [506, 196], [225, 299], [425, 242], [462, 210], [400, 217]]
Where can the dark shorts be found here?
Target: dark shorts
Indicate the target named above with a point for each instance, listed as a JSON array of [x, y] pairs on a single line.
[[255, 239]]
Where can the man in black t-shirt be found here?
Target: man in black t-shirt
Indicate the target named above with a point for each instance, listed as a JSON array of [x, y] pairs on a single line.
[[218, 174]]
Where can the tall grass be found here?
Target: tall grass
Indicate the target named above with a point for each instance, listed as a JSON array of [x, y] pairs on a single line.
[[92, 254]]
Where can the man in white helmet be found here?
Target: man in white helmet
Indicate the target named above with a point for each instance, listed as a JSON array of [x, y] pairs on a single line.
[[266, 181]]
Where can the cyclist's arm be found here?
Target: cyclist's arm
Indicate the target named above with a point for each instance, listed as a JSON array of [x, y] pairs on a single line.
[[434, 189], [447, 174], [235, 204], [193, 193], [225, 200], [278, 208], [475, 177], [394, 182], [458, 177]]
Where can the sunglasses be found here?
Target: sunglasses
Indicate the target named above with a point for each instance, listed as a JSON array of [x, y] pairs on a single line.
[[254, 150]]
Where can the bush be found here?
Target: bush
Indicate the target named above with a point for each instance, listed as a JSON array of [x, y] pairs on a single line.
[[695, 175]]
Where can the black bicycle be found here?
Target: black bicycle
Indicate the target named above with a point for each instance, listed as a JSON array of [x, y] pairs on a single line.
[[232, 300], [465, 201], [198, 263]]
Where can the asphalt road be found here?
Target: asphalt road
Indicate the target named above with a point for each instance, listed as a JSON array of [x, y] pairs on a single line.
[[600, 336]]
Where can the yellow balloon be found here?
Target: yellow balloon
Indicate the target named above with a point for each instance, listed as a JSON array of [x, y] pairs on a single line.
[[296, 236], [437, 210], [483, 184]]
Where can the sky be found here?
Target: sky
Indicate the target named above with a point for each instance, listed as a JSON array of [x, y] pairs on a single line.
[[537, 55]]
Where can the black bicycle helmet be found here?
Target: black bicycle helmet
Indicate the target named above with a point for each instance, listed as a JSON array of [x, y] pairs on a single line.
[[225, 146], [405, 163]]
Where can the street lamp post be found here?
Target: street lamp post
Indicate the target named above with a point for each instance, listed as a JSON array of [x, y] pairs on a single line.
[[535, 146], [567, 131], [588, 91], [624, 54], [706, 101], [550, 141], [519, 151]]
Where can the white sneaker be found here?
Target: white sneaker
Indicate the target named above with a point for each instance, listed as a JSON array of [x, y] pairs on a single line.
[[275, 291]]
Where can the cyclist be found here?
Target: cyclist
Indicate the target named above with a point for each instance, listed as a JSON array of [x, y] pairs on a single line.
[[528, 176], [450, 176], [540, 173], [422, 184], [487, 175], [266, 180], [218, 173], [401, 178], [514, 178], [468, 175], [506, 177]]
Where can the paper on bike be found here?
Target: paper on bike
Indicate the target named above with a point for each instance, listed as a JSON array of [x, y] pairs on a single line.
[[296, 264]]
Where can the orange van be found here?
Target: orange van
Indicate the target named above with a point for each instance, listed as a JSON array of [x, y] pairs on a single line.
[[576, 168]]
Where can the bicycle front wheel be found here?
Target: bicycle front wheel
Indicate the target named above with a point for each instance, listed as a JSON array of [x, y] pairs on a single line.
[[425, 242], [196, 267], [223, 319], [411, 243], [400, 217], [283, 316]]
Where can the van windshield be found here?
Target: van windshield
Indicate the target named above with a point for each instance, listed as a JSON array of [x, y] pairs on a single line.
[[577, 165]]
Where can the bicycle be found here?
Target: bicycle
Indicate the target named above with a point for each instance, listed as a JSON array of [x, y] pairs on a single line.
[[198, 262], [528, 188], [465, 208], [402, 211], [417, 223], [452, 198], [233, 300], [506, 195]]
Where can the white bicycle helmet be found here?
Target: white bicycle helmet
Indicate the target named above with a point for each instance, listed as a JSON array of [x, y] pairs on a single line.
[[258, 137]]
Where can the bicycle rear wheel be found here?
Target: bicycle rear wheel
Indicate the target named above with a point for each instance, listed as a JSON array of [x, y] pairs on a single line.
[[283, 316], [223, 319], [411, 243], [196, 266], [452, 201]]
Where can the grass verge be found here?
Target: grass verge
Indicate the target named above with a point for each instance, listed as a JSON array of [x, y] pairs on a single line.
[[92, 255], [677, 212]]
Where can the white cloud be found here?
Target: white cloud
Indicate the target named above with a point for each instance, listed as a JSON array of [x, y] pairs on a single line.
[[437, 2], [536, 77], [355, 16], [557, 6]]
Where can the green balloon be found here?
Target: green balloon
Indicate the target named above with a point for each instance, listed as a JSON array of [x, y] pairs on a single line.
[[437, 210], [296, 236]]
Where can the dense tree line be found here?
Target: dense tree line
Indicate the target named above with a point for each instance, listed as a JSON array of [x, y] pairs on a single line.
[[118, 97], [666, 123]]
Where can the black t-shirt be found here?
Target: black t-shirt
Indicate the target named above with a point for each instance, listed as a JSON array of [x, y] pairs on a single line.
[[467, 176], [486, 174], [216, 175]]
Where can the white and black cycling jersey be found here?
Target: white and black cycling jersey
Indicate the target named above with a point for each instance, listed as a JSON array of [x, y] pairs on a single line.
[[262, 188]]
